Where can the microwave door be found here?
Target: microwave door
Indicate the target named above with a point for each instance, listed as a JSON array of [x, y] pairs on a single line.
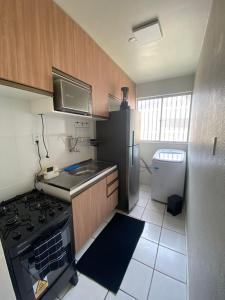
[[72, 97]]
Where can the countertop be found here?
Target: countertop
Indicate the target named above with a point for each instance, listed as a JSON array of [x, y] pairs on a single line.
[[67, 185]]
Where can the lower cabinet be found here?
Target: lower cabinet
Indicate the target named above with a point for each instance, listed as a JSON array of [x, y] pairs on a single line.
[[90, 209]]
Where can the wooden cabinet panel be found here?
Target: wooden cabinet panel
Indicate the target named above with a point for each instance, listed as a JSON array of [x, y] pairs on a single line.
[[8, 42], [132, 95], [114, 72], [89, 211], [117, 79], [82, 50], [98, 194], [112, 187], [26, 42], [83, 220], [112, 177], [37, 34], [99, 83], [112, 201], [63, 46], [34, 40]]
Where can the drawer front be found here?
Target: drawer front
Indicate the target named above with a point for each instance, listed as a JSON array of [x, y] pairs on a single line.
[[113, 200], [111, 177], [112, 187]]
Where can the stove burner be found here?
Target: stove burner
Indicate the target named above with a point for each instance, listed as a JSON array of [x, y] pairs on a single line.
[[12, 221], [25, 218], [30, 226], [44, 204], [16, 235], [51, 212], [7, 209], [42, 218], [3, 211]]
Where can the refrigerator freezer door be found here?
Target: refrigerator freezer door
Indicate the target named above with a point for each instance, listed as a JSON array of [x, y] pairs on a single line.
[[133, 123], [133, 175]]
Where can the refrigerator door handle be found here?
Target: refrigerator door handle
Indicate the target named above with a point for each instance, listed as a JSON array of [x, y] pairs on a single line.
[[132, 155]]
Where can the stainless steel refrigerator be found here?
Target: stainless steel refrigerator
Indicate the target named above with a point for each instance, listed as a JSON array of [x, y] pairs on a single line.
[[118, 142]]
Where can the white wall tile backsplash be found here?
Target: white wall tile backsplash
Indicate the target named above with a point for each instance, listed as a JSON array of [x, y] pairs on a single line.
[[18, 153]]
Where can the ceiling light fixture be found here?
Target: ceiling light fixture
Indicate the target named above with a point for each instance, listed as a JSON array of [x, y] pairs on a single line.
[[147, 32]]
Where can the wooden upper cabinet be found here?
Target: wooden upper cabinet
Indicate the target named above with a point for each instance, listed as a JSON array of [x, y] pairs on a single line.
[[114, 86], [26, 42], [8, 42], [83, 53], [133, 95], [63, 37], [36, 35], [99, 83]]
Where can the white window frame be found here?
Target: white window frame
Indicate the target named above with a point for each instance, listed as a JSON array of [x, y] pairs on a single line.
[[162, 97]]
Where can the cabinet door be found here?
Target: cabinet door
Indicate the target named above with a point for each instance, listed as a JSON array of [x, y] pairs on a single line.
[[99, 198], [83, 219], [63, 46], [114, 87], [90, 67], [89, 211], [34, 33], [99, 83], [81, 58], [112, 201], [8, 43], [132, 94], [26, 41]]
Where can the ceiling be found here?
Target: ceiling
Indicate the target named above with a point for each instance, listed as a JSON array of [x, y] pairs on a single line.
[[110, 23]]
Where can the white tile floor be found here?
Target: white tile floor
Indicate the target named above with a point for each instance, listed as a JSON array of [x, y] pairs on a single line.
[[157, 270]]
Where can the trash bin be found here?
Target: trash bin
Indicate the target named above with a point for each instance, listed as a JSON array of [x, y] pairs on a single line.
[[175, 204]]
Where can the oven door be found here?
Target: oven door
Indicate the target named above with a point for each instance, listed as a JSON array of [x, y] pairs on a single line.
[[29, 284]]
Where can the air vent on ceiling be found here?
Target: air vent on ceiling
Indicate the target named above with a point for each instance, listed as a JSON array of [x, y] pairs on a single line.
[[147, 32]]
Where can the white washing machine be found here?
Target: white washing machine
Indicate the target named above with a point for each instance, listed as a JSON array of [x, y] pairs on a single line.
[[168, 168]]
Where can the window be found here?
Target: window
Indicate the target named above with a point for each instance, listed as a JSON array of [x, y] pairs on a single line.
[[165, 118]]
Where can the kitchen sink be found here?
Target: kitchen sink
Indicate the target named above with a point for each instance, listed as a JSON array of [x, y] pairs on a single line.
[[85, 170]]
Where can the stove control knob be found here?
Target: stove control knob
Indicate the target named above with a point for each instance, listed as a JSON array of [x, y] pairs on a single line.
[[42, 218], [51, 212], [16, 235], [30, 226]]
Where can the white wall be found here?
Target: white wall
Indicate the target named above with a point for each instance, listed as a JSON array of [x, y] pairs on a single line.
[[156, 88], [166, 86], [18, 153], [206, 174]]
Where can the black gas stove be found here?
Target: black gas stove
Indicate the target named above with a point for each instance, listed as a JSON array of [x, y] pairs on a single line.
[[25, 221], [22, 216]]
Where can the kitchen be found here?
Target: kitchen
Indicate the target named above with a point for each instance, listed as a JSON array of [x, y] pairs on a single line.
[[85, 127]]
